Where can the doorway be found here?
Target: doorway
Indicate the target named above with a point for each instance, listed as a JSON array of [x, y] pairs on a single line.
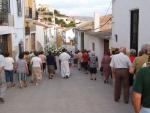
[[134, 29], [106, 45]]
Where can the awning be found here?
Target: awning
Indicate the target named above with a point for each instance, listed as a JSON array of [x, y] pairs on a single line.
[[101, 34]]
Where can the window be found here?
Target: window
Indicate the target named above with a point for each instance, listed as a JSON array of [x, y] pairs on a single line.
[[4, 10], [93, 46], [19, 8]]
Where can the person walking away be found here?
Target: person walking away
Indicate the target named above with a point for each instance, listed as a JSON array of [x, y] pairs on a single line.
[[121, 65], [43, 58], [22, 71], [64, 59], [27, 59], [3, 85], [75, 58], [132, 58], [9, 68], [51, 62], [141, 92], [36, 69], [85, 57], [140, 60], [93, 63], [105, 63], [79, 60]]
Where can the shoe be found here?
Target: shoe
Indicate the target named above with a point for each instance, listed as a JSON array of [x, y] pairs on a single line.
[[95, 79], [67, 77], [116, 100], [91, 79], [2, 100], [104, 81]]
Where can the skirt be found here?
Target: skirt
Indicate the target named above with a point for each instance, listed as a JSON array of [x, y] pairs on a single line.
[[37, 73]]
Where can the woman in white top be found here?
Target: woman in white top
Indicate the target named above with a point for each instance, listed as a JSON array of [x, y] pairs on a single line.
[[36, 68], [9, 67]]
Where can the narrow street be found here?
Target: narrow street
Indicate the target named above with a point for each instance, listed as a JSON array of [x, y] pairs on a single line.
[[76, 95]]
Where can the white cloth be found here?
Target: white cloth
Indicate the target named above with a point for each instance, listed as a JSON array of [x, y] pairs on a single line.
[[64, 58], [9, 63], [120, 61], [36, 62]]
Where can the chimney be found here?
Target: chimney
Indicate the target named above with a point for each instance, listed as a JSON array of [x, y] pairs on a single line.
[[96, 22]]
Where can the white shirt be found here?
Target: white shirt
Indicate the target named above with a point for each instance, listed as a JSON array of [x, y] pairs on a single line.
[[9, 63], [36, 62], [120, 61], [2, 61], [64, 56]]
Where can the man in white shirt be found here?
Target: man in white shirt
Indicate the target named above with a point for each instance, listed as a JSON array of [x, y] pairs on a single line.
[[2, 79], [64, 58], [36, 68], [121, 63]]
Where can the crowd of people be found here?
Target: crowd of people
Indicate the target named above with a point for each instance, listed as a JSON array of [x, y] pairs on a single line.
[[127, 70]]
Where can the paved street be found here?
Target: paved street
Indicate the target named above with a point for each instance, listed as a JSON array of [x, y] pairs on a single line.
[[77, 95]]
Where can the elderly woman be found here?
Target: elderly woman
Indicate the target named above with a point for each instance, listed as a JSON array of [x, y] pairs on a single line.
[[93, 63], [106, 66]]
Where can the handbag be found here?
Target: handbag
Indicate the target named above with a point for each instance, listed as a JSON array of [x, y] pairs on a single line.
[[101, 68]]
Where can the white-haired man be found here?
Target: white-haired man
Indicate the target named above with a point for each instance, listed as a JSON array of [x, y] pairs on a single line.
[[121, 64]]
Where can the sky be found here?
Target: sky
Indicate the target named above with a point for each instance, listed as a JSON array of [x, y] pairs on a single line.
[[79, 7]]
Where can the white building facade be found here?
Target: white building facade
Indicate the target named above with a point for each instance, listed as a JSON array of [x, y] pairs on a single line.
[[130, 26], [11, 26]]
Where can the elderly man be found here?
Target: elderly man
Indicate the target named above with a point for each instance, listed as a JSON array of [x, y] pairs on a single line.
[[2, 79], [121, 64], [141, 91]]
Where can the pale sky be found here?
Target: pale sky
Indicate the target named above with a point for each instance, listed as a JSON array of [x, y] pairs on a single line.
[[79, 7]]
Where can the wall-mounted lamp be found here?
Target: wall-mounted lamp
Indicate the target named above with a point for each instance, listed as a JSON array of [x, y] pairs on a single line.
[[116, 37]]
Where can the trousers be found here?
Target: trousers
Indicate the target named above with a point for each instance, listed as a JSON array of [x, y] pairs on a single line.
[[121, 79]]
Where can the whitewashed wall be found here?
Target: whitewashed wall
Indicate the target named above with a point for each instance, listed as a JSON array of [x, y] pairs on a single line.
[[18, 34], [121, 22], [39, 36], [99, 46]]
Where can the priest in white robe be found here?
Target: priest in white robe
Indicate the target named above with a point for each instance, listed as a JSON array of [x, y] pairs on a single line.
[[64, 59]]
